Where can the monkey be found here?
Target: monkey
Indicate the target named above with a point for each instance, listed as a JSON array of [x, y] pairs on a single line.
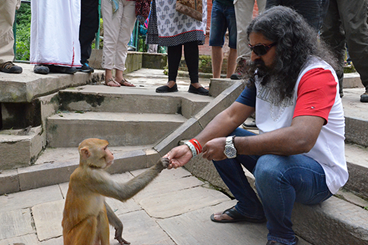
[[86, 215]]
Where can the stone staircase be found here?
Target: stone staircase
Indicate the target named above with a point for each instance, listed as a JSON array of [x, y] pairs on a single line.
[[141, 126]]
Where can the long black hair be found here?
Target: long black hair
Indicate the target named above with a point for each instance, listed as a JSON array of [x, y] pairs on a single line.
[[296, 41]]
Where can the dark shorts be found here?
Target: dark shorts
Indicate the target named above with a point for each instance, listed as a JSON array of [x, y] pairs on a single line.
[[222, 18]]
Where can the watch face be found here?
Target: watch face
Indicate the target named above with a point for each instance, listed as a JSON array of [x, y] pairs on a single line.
[[230, 152]]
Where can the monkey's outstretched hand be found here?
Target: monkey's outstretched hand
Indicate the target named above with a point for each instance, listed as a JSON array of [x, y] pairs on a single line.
[[165, 162]]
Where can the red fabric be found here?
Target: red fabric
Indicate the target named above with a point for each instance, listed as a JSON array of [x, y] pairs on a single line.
[[316, 94]]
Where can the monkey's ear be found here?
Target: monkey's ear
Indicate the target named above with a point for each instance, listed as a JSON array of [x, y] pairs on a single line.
[[85, 153]]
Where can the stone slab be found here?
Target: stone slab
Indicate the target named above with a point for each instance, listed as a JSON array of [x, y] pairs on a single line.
[[28, 85], [15, 223], [195, 227], [30, 239], [9, 181], [357, 160], [27, 199], [182, 201], [139, 228], [54, 241], [160, 186], [332, 222], [352, 80], [47, 218], [47, 174], [120, 129]]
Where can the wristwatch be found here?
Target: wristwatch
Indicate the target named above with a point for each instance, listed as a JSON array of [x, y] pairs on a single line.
[[230, 151]]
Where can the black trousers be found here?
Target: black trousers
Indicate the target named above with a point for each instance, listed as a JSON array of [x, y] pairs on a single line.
[[88, 27], [346, 22], [191, 55]]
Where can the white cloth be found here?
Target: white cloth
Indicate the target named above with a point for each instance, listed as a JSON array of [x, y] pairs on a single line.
[[118, 28], [55, 32], [329, 150], [244, 15]]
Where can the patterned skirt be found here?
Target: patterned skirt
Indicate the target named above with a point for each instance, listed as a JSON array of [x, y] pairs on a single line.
[[167, 27]]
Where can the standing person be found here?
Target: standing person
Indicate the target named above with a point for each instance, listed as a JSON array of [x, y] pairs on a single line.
[[299, 154], [222, 19], [118, 21], [167, 27], [244, 15], [7, 16], [313, 11], [346, 22], [87, 31], [55, 36]]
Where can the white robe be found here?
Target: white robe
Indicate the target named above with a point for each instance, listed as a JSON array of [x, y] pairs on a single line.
[[55, 32]]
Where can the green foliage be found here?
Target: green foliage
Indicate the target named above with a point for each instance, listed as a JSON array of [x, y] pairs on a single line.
[[23, 32]]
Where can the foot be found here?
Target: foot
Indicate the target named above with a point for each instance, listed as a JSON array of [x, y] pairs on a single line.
[[9, 67], [40, 69], [86, 68], [241, 70], [364, 97], [231, 215], [199, 90], [112, 83], [167, 89], [124, 82], [62, 69]]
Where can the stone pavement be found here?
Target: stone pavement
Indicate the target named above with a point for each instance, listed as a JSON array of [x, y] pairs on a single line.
[[174, 209]]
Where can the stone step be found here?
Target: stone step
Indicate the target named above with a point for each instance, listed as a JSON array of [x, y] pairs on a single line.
[[140, 99], [357, 160], [68, 129], [19, 148], [356, 116]]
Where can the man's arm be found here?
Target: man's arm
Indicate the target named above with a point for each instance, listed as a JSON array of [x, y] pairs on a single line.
[[299, 138], [222, 125], [225, 122]]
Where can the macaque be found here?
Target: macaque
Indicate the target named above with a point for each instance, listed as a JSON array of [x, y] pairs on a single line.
[[86, 215]]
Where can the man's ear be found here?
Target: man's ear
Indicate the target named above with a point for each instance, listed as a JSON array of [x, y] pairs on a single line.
[[85, 153]]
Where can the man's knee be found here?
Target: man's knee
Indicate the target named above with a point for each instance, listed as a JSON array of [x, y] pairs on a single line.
[[268, 169]]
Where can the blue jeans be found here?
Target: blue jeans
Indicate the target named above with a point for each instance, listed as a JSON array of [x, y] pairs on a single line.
[[280, 181], [222, 18]]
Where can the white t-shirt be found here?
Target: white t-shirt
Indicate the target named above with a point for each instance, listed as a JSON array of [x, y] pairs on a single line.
[[315, 94]]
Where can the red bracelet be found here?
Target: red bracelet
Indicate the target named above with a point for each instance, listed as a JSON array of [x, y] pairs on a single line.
[[197, 145]]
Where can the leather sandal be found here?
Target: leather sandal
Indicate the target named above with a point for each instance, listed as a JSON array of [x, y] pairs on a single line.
[[125, 82], [235, 217], [112, 83]]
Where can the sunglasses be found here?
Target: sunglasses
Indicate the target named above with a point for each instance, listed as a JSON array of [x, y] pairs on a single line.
[[261, 49]]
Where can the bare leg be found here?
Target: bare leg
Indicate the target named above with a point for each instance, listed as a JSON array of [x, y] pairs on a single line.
[[216, 61], [231, 62]]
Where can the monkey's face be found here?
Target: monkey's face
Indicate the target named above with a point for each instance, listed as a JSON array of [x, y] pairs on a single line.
[[94, 153]]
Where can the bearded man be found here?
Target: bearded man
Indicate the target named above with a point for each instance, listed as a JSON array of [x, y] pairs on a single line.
[[298, 155]]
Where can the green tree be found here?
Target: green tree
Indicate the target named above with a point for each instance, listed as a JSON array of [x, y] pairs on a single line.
[[23, 32]]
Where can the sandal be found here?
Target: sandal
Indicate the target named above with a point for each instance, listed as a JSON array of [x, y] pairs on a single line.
[[235, 217], [125, 82], [112, 83]]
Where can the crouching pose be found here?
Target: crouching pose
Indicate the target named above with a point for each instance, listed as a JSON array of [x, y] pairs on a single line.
[[298, 155], [86, 214]]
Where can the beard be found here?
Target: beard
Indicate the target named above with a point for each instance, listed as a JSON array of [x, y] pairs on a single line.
[[259, 68]]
